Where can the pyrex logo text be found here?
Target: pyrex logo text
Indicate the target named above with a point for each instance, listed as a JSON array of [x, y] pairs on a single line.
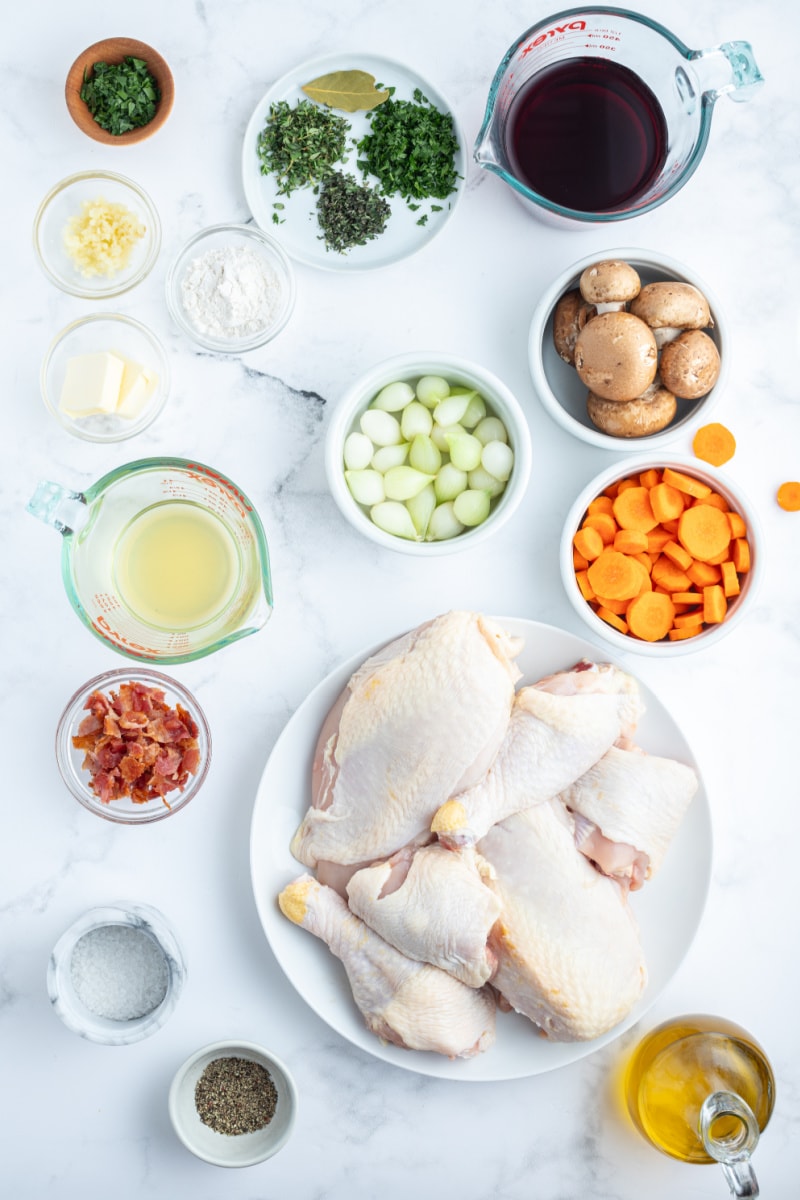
[[557, 29]]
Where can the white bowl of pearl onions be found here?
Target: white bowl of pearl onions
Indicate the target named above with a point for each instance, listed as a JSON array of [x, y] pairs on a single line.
[[428, 454]]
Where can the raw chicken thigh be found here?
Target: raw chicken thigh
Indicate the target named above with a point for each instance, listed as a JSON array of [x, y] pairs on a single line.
[[432, 905], [419, 721], [627, 809], [559, 728], [411, 1004], [567, 945]]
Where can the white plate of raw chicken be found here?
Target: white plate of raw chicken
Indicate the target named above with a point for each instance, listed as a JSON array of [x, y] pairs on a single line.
[[668, 909]]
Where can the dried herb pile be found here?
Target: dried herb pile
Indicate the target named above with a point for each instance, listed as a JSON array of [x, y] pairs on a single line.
[[121, 96], [235, 1096], [350, 213]]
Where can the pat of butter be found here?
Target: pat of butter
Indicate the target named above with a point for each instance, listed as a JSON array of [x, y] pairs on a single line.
[[136, 388], [91, 384]]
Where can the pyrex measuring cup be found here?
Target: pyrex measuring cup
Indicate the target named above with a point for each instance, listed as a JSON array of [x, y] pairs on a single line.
[[164, 560], [600, 114]]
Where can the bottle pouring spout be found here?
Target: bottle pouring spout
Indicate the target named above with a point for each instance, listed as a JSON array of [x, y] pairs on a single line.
[[729, 1130]]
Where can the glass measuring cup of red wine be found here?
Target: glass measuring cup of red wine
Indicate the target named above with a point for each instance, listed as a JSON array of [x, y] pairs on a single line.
[[601, 114]]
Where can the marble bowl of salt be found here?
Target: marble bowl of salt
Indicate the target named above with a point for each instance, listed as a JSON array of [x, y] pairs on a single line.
[[231, 288], [116, 974]]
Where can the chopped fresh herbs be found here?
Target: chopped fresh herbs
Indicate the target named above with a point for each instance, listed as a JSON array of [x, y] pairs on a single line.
[[350, 213], [120, 96], [301, 145], [411, 149], [423, 219]]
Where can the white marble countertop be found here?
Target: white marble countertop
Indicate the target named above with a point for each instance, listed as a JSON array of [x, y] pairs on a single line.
[[80, 1120]]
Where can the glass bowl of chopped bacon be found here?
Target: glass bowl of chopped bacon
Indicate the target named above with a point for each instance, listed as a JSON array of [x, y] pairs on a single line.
[[133, 746]]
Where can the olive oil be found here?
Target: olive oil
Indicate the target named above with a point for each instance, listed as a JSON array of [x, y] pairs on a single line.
[[176, 566], [682, 1062]]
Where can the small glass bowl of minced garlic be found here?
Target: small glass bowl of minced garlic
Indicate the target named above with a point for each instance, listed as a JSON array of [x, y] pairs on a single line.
[[233, 1104]]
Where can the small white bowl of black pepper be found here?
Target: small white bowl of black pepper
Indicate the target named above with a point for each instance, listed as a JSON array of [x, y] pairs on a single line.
[[233, 1104]]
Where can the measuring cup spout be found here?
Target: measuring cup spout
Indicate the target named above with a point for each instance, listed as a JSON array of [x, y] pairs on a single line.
[[728, 70], [65, 510], [730, 1132]]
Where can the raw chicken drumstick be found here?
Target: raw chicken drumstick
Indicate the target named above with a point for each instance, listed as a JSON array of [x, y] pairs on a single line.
[[432, 905], [568, 949], [627, 808], [419, 721], [559, 728], [411, 1004]]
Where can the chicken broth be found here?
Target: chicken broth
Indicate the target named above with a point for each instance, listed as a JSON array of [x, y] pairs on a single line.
[[678, 1066]]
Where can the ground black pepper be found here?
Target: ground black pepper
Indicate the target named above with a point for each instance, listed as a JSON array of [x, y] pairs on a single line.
[[235, 1096], [350, 213]]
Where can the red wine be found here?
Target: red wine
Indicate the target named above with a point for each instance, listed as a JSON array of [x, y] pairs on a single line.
[[587, 134]]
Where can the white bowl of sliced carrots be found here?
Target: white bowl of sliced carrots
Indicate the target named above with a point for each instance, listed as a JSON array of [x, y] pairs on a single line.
[[661, 556]]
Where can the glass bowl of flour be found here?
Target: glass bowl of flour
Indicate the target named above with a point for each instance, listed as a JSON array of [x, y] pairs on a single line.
[[231, 288]]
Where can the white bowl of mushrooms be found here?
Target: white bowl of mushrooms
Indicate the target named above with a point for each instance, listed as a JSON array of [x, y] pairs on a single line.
[[628, 349]]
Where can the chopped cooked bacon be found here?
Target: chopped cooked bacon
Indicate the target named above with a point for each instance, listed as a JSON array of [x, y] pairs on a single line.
[[136, 746]]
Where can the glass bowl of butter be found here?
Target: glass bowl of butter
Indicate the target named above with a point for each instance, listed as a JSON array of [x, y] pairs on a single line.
[[96, 234], [105, 377]]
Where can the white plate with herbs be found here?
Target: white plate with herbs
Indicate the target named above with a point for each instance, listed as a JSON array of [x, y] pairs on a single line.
[[668, 910], [294, 218]]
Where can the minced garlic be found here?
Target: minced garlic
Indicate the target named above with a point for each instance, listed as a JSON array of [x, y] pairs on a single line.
[[101, 238]]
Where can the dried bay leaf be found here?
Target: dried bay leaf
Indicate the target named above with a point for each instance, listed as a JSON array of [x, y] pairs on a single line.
[[350, 91]]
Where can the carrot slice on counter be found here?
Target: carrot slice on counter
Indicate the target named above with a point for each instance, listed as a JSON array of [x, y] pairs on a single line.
[[714, 443], [789, 496]]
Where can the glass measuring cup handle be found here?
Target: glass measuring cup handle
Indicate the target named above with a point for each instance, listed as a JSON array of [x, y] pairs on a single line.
[[65, 510], [733, 1150], [728, 70]]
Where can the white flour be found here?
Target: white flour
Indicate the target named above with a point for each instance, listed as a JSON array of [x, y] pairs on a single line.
[[231, 293]]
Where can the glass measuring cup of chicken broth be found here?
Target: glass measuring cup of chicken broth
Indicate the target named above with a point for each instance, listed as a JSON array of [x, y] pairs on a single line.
[[600, 114], [701, 1089], [163, 559]]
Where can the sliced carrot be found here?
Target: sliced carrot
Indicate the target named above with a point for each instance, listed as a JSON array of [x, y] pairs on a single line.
[[670, 577], [714, 443], [612, 619], [678, 555], [666, 502], [630, 541], [704, 531], [685, 483], [686, 597], [624, 484], [578, 561], [645, 560], [714, 605], [614, 575], [601, 504], [588, 543], [670, 526], [688, 631], [584, 585], [730, 579], [738, 527], [789, 496], [604, 523], [616, 606], [657, 540], [650, 616], [632, 510], [702, 574], [715, 500], [740, 556], [650, 478], [695, 617]]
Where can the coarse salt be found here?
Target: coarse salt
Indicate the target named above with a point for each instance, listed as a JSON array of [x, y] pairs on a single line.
[[119, 972], [231, 293]]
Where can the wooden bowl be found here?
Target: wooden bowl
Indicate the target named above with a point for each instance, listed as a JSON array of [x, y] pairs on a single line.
[[114, 51]]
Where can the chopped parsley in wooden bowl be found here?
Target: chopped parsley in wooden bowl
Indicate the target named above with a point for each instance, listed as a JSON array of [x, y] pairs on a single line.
[[119, 91]]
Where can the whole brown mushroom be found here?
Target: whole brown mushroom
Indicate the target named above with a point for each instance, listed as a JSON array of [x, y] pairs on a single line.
[[616, 356], [609, 284], [690, 365], [671, 306], [571, 314], [648, 413]]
